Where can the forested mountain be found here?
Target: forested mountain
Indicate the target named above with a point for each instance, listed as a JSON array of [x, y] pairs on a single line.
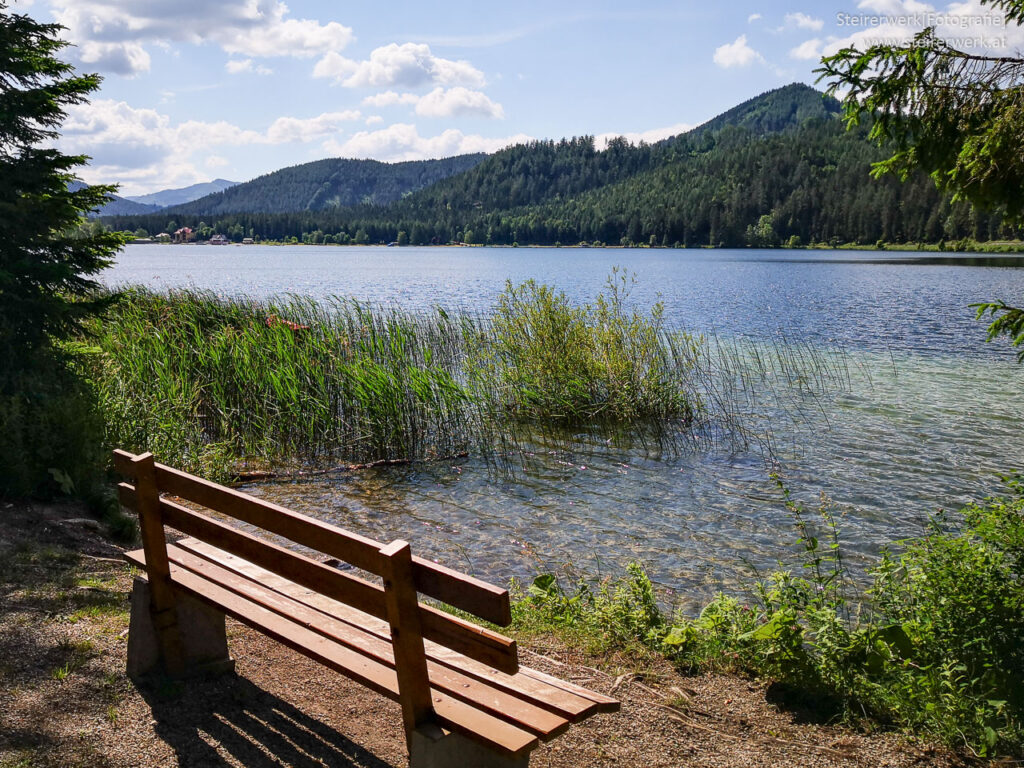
[[168, 197], [117, 206], [777, 169], [326, 184], [774, 112]]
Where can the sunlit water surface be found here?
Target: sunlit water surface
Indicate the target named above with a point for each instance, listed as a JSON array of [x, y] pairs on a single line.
[[916, 414]]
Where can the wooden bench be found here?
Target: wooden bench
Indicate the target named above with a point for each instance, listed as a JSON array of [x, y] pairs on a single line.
[[465, 700]]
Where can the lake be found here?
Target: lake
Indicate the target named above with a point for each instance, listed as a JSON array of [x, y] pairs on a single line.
[[916, 413]]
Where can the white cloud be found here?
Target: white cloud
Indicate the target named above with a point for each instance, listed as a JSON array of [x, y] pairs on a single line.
[[111, 34], [810, 49], [374, 120], [458, 101], [753, 17], [143, 149], [390, 98], [286, 130], [238, 66], [410, 65], [803, 21], [126, 59], [401, 141], [649, 136], [736, 54]]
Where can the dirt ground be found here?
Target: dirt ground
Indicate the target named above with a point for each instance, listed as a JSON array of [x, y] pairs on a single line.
[[65, 699]]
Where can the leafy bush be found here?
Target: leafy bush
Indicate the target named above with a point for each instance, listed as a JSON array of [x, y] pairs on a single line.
[[51, 432], [620, 614], [936, 645]]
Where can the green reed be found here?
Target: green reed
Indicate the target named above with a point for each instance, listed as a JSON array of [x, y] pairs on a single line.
[[200, 379], [205, 381]]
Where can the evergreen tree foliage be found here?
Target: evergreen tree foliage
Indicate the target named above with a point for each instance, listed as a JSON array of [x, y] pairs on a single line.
[[325, 184], [45, 262], [51, 434]]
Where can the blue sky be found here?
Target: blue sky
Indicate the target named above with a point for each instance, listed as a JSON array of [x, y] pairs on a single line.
[[195, 90]]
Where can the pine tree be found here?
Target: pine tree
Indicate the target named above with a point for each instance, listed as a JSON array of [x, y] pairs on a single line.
[[46, 261]]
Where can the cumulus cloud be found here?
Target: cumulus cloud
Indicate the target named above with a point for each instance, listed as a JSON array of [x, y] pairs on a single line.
[[458, 101], [650, 136], [736, 54], [409, 65], [803, 21], [402, 141], [110, 34], [390, 98], [810, 49], [374, 120], [285, 130], [753, 17], [142, 147], [239, 66]]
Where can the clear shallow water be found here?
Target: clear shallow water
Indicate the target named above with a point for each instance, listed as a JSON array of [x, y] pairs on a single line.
[[925, 417]]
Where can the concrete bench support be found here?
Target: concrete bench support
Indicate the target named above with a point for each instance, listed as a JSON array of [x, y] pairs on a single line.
[[203, 636], [433, 747]]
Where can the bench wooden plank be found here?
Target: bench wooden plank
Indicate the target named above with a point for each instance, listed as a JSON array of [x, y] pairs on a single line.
[[522, 713], [451, 713], [466, 638], [406, 635], [161, 595], [459, 590], [550, 696]]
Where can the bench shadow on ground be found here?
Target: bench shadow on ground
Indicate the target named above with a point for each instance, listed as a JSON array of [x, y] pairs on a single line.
[[805, 707], [206, 721]]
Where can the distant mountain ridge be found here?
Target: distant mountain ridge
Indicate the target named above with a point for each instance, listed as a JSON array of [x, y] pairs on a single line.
[[330, 183], [116, 206], [168, 197], [777, 169], [338, 183]]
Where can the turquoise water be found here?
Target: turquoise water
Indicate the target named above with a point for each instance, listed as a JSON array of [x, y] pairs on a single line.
[[912, 413]]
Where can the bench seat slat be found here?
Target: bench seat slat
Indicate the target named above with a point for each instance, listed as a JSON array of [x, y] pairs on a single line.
[[500, 703], [564, 699], [451, 712]]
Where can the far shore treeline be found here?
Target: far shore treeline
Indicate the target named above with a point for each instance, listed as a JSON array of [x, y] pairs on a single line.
[[778, 170]]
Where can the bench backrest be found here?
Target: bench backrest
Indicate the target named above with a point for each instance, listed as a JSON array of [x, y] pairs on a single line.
[[403, 575]]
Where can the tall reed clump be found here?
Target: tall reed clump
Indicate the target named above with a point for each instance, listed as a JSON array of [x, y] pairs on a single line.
[[547, 359], [935, 645], [199, 379], [203, 381]]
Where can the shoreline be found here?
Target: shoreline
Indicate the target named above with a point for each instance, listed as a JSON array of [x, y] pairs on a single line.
[[997, 247]]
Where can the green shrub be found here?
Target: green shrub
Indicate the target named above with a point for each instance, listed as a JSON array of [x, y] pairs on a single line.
[[936, 646], [548, 359], [51, 431], [621, 614]]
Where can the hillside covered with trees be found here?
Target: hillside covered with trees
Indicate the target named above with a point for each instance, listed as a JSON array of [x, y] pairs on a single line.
[[325, 184], [777, 169]]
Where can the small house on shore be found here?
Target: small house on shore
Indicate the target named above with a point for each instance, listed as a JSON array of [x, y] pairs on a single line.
[[163, 237], [183, 235], [219, 239]]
